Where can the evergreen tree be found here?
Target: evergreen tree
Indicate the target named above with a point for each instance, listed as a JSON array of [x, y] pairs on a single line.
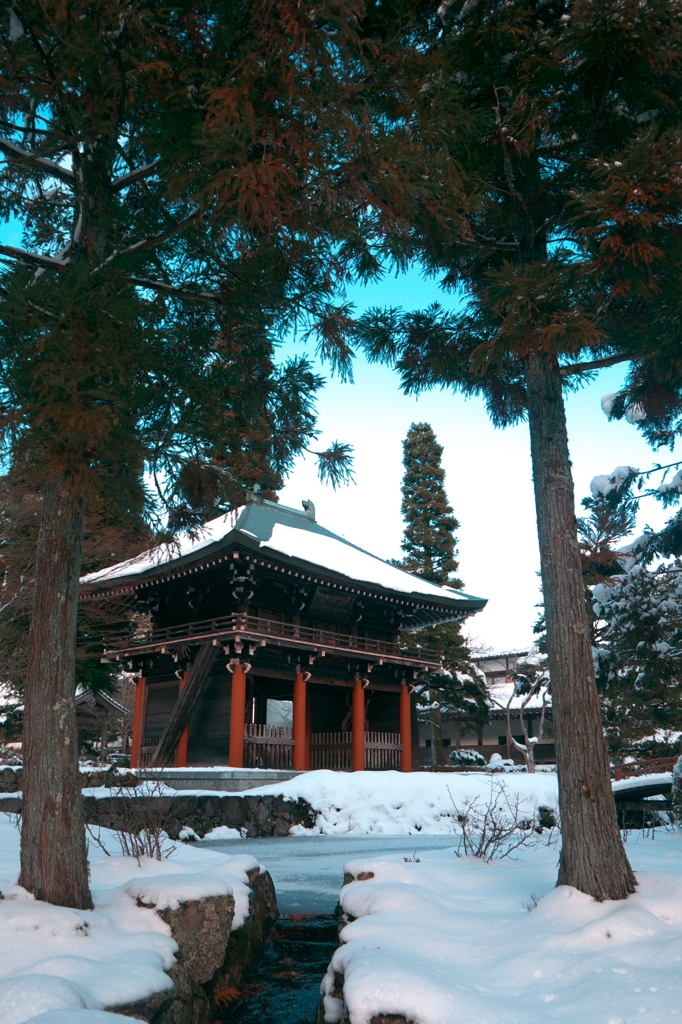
[[192, 179], [429, 546], [636, 604], [428, 539], [565, 127]]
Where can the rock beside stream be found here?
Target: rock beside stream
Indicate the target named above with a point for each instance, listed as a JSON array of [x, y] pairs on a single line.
[[336, 992], [211, 958]]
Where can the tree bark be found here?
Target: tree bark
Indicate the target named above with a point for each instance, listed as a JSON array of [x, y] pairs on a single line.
[[438, 751], [592, 857], [53, 850]]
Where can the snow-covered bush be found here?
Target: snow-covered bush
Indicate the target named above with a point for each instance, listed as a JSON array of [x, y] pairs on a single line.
[[467, 758], [494, 827], [138, 821]]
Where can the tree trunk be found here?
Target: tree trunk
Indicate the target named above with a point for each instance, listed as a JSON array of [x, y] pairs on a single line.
[[53, 851], [438, 751], [592, 857]]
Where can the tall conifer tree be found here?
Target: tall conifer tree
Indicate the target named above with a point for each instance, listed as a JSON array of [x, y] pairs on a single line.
[[192, 179], [565, 126], [430, 547], [430, 524]]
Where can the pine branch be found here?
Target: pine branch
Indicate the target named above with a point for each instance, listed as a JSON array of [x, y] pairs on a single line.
[[211, 298], [596, 364], [137, 175], [38, 162], [153, 241]]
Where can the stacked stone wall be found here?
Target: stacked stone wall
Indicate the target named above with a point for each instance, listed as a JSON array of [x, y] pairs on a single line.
[[258, 816]]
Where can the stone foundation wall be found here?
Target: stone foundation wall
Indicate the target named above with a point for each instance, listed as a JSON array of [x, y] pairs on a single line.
[[11, 779], [260, 816]]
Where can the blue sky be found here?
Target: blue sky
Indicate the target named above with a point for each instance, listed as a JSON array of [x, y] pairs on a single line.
[[488, 472]]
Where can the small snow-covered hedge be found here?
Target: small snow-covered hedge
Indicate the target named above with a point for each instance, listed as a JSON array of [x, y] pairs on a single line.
[[468, 758]]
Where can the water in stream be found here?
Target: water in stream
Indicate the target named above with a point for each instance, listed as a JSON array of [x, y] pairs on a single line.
[[284, 988]]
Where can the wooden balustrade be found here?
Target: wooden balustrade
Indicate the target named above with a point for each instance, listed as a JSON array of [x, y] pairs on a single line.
[[251, 627], [649, 766]]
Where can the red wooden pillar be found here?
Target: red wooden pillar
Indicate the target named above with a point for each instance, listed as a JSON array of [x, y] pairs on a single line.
[[139, 715], [299, 723], [181, 749], [405, 729], [237, 716], [358, 755]]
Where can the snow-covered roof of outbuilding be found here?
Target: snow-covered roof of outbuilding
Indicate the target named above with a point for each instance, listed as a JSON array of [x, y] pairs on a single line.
[[278, 531]]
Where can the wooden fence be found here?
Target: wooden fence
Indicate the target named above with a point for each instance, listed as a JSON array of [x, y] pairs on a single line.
[[149, 745], [331, 750], [334, 750], [268, 746], [382, 751], [272, 746]]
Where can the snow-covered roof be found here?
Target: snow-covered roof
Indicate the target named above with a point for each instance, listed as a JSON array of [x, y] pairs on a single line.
[[500, 692], [281, 531]]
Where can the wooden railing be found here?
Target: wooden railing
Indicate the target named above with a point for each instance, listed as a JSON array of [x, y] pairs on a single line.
[[268, 746], [650, 766], [251, 627]]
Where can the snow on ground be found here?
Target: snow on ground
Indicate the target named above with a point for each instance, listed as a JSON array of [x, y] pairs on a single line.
[[449, 940], [393, 803], [58, 959]]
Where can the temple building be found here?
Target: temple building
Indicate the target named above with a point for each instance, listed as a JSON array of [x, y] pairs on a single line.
[[269, 641]]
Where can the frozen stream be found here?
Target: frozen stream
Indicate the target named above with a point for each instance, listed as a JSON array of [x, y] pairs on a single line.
[[308, 870], [284, 988]]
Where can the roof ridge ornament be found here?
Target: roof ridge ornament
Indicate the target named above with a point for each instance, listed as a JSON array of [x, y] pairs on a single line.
[[253, 495], [309, 509]]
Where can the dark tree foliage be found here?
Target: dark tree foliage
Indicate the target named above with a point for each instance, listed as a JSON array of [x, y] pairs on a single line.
[[635, 602], [429, 546], [565, 128], [192, 180]]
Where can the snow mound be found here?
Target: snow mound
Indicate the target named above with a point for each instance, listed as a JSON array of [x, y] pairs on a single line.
[[445, 940], [60, 960], [21, 996], [397, 803]]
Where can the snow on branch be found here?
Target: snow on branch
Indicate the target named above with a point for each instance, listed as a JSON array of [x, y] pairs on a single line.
[[54, 262], [137, 175], [38, 162]]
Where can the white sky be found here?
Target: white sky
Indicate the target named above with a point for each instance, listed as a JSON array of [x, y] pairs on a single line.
[[488, 473]]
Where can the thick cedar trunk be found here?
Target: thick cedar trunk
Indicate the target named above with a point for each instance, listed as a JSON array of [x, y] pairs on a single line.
[[436, 717], [592, 858], [53, 852]]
